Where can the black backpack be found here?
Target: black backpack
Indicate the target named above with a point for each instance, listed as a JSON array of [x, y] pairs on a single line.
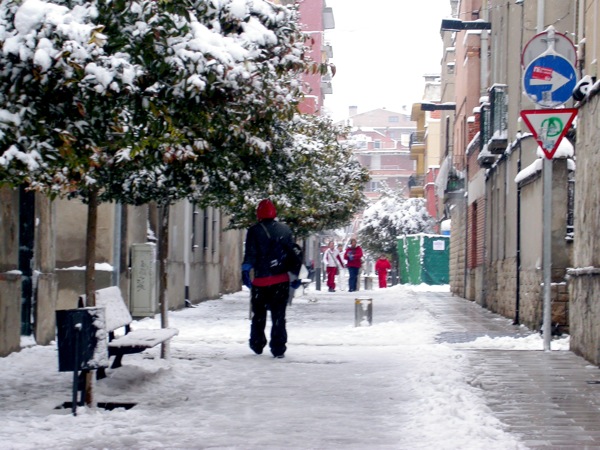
[[283, 258]]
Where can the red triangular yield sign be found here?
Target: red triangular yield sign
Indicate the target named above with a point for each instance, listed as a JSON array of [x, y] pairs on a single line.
[[549, 126]]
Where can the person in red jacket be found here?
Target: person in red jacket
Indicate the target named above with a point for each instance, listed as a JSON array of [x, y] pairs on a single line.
[[381, 267], [353, 256]]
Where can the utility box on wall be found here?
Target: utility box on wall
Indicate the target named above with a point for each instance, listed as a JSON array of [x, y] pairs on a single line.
[[424, 258], [143, 280]]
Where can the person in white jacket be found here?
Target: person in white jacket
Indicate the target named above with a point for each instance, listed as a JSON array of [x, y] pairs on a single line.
[[341, 276], [332, 262]]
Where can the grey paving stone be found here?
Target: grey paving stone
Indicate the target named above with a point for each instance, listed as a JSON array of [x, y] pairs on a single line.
[[550, 399]]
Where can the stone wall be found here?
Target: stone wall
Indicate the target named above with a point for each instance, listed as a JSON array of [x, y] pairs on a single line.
[[584, 283], [500, 287], [10, 313], [585, 316], [457, 251], [531, 303]]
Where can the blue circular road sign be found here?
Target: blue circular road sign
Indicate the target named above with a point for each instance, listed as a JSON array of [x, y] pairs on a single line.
[[549, 80]]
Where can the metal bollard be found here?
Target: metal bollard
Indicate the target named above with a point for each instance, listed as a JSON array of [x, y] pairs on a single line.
[[363, 311]]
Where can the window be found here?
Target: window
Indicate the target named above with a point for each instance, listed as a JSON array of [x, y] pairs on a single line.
[[377, 144], [373, 186], [393, 119], [375, 162]]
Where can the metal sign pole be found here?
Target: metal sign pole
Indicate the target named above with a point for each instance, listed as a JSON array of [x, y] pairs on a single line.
[[548, 80], [547, 252]]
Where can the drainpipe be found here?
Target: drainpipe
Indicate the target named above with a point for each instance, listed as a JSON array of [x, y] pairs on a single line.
[[517, 319], [466, 185], [518, 277], [484, 60], [541, 13], [117, 243], [187, 239]]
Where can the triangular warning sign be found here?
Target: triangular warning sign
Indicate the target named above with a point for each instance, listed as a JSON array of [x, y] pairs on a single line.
[[549, 126]]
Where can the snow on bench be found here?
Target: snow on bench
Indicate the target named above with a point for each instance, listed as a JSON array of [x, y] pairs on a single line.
[[117, 315]]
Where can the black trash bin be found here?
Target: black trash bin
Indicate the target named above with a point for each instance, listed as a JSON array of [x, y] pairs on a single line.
[[81, 337]]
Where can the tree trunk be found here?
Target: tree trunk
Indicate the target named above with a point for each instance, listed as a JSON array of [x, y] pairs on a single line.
[[163, 254], [90, 275], [90, 249]]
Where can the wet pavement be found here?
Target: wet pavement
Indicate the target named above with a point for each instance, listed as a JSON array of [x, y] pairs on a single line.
[[550, 399]]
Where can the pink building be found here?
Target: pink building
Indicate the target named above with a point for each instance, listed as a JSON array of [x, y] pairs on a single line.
[[316, 17], [382, 140]]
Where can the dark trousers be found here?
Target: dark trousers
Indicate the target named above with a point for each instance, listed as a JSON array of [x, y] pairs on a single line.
[[273, 298], [352, 278]]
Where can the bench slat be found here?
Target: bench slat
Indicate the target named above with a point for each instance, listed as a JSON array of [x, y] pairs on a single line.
[[144, 338]]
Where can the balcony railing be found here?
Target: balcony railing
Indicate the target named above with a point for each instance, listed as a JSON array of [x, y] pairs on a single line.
[[416, 138], [496, 138], [455, 184]]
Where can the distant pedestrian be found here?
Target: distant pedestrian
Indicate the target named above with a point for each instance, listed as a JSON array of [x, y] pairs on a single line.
[[341, 278], [353, 256], [270, 286], [382, 266], [333, 263]]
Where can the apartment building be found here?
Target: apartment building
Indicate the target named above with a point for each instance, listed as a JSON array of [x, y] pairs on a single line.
[[496, 211], [381, 138]]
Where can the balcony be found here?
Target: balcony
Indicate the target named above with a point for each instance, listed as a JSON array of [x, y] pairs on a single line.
[[416, 144], [416, 186], [455, 184], [328, 20], [497, 131], [417, 138]]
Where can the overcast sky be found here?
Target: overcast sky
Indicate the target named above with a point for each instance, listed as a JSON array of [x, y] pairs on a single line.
[[382, 49]]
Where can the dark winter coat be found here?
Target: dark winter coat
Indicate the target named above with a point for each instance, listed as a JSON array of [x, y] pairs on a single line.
[[257, 250]]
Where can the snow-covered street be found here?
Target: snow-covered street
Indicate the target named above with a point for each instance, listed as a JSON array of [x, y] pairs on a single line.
[[389, 385]]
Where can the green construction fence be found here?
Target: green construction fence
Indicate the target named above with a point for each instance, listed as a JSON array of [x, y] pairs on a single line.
[[424, 259]]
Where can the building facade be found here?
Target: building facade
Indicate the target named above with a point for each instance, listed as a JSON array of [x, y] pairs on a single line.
[[496, 213], [583, 279], [381, 139]]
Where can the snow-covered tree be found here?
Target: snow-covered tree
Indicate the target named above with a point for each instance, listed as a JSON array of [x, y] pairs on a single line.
[[390, 217], [142, 101], [315, 181], [139, 101]]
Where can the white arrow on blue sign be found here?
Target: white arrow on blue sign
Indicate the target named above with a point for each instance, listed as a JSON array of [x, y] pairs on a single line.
[[549, 80]]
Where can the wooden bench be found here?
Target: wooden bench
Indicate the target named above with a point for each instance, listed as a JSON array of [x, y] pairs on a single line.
[[117, 315]]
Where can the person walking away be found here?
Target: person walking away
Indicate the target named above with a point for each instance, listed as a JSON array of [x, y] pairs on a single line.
[[341, 278], [382, 266], [332, 262], [353, 256], [270, 286]]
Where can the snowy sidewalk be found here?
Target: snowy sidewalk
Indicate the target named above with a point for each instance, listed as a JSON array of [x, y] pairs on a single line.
[[418, 378]]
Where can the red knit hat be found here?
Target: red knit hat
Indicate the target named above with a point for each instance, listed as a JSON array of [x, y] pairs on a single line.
[[266, 210]]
